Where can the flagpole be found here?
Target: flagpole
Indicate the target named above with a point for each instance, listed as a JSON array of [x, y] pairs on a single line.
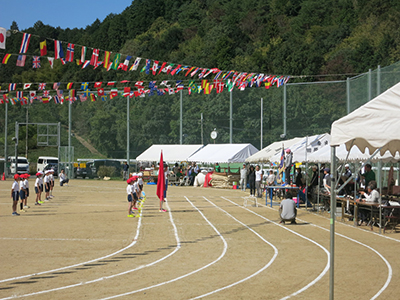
[[70, 169], [5, 140], [261, 135], [127, 129], [180, 119]]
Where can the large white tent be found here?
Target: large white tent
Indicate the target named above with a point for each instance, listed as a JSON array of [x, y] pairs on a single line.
[[171, 153], [224, 153], [266, 153], [305, 147], [375, 124]]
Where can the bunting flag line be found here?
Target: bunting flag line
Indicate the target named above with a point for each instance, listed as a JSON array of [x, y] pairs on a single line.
[[70, 52], [21, 60], [6, 58], [43, 48], [106, 59], [135, 64], [25, 43], [83, 54], [36, 62], [58, 51]]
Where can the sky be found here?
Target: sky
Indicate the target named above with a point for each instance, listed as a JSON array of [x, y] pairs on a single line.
[[64, 14]]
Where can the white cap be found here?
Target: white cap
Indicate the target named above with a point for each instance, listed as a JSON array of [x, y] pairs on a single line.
[[140, 174], [47, 172], [347, 166], [134, 174], [40, 172]]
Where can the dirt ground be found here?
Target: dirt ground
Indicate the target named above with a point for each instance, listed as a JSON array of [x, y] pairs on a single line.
[[81, 244]]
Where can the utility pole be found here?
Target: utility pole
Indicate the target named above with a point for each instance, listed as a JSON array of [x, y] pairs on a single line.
[[202, 141], [261, 134], [26, 134]]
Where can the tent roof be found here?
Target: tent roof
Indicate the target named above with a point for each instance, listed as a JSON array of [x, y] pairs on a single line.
[[266, 153], [324, 155], [373, 125], [224, 153], [171, 153]]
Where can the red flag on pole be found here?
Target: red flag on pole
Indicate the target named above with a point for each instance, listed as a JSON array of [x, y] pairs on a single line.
[[161, 179]]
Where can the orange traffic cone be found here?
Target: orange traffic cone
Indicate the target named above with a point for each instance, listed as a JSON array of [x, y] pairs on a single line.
[[4, 177]]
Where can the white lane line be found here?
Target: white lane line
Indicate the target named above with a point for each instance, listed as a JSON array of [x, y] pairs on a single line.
[[367, 231], [188, 274], [390, 271], [114, 275], [318, 278], [252, 275], [82, 263], [59, 239]]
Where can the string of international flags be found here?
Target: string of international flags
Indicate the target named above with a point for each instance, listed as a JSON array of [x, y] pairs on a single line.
[[196, 82]]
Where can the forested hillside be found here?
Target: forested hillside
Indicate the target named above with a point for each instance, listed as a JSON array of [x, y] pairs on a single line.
[[339, 38]]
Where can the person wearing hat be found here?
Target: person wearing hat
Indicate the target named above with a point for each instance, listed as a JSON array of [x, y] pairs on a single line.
[[22, 191], [129, 191], [26, 183], [288, 165], [41, 186], [327, 180], [38, 190], [15, 195], [51, 177], [140, 181], [243, 178], [46, 181]]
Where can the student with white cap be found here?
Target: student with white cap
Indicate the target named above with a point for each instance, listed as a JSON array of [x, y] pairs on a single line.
[[51, 177], [41, 186], [46, 181], [15, 195]]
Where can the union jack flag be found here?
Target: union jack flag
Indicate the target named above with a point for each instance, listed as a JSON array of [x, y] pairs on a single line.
[[36, 62], [42, 86], [46, 93]]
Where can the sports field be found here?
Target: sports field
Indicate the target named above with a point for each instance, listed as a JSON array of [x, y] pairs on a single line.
[[82, 245]]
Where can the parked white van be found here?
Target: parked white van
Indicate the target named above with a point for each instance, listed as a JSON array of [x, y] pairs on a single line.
[[23, 165], [44, 161]]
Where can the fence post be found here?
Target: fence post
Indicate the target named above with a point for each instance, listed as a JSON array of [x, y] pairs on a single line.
[[369, 84], [348, 94], [378, 81]]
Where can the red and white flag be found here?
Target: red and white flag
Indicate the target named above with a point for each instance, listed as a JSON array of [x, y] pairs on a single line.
[[3, 34], [25, 43], [27, 85], [161, 179], [95, 57], [58, 51], [51, 61], [70, 52]]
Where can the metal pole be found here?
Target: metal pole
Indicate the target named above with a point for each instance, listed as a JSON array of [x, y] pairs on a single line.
[[5, 141], [284, 109], [127, 130], [319, 183], [261, 135], [181, 120], [230, 118], [380, 199], [58, 142], [70, 169], [378, 81], [26, 134], [16, 147], [369, 84], [332, 221], [202, 141], [348, 94]]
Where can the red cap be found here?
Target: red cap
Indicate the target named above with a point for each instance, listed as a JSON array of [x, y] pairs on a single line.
[[287, 150], [16, 176]]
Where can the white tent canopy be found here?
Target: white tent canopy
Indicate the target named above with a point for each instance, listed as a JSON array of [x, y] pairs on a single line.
[[171, 153], [324, 155], [266, 153], [224, 153], [375, 124], [308, 145]]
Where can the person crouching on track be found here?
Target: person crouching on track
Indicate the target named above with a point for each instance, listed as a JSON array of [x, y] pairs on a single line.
[[26, 182], [288, 210], [15, 194], [46, 181], [22, 191], [129, 192]]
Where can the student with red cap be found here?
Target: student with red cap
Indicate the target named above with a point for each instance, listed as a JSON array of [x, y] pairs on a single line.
[[15, 195], [22, 191], [129, 192]]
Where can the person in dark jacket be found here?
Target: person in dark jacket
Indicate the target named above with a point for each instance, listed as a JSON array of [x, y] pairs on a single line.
[[252, 181]]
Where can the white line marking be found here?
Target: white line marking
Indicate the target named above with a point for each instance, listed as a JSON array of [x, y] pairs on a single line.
[[86, 262], [390, 271], [115, 275], [252, 275], [302, 236], [188, 274], [59, 239]]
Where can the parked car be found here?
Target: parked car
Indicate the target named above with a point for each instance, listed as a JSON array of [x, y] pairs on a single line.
[[23, 165], [80, 170], [43, 161]]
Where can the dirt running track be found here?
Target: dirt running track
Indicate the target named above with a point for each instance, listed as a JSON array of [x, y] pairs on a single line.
[[81, 244]]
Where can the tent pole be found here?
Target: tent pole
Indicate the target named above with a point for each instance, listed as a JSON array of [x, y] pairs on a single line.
[[319, 183], [261, 135], [230, 118], [332, 221], [284, 109], [380, 199]]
